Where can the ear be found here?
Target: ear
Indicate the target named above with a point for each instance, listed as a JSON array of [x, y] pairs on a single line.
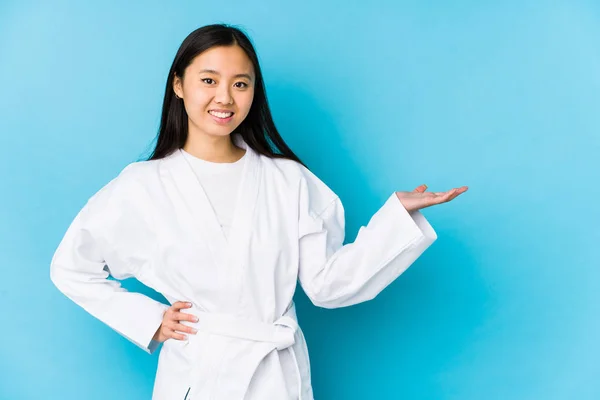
[[178, 86]]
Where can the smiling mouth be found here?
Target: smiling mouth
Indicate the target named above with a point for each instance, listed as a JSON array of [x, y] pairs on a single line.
[[223, 115]]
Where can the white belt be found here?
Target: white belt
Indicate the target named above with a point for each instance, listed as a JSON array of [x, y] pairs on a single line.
[[279, 335]]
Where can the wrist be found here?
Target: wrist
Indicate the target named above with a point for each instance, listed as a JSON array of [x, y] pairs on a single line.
[[157, 336], [406, 207]]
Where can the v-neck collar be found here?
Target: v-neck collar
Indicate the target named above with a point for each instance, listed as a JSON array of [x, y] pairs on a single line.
[[226, 252]]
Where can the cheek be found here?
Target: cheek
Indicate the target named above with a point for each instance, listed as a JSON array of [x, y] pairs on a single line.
[[196, 103], [244, 103], [195, 107]]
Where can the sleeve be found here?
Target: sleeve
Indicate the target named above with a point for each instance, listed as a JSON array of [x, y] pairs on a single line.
[[79, 270], [335, 275]]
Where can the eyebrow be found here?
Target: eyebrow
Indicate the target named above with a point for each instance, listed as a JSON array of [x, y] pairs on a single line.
[[212, 71]]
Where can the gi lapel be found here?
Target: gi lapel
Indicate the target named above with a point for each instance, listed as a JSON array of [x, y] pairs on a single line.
[[230, 255], [202, 213], [239, 236]]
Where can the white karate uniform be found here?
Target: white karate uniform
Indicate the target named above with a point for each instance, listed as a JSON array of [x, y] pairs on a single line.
[[155, 222], [220, 182]]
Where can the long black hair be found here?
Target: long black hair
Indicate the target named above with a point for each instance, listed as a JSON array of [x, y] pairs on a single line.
[[258, 129]]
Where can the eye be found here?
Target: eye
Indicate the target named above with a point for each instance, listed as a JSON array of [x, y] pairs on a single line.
[[208, 79], [244, 85]]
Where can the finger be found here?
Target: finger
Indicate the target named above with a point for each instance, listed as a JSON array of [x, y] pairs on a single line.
[[185, 328], [461, 189], [421, 189], [458, 191], [434, 198], [179, 316], [444, 197], [169, 333], [178, 305], [178, 336], [447, 196]]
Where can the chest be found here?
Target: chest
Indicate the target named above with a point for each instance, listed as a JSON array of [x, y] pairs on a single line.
[[193, 255]]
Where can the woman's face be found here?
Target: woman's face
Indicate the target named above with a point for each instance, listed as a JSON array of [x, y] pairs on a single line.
[[217, 90]]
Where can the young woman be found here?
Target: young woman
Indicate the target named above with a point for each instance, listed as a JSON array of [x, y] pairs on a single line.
[[222, 220]]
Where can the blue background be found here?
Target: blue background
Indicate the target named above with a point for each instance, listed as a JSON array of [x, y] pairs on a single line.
[[375, 97]]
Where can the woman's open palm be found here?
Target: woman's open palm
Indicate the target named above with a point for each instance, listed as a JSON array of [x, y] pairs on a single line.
[[420, 198]]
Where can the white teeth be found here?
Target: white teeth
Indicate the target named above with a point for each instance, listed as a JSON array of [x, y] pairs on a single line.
[[220, 114]]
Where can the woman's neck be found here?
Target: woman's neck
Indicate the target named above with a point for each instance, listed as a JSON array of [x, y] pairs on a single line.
[[217, 149]]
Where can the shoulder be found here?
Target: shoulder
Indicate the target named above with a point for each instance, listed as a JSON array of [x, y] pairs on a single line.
[[282, 167], [139, 171], [130, 181], [312, 190]]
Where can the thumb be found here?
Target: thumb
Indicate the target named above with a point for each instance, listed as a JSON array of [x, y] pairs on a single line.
[[421, 189]]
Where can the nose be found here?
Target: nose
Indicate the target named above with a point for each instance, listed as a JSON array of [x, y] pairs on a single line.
[[223, 95]]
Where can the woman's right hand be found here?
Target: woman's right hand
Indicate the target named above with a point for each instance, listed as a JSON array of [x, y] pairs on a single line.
[[171, 324]]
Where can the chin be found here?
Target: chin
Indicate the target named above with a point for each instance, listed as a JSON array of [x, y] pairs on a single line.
[[219, 132]]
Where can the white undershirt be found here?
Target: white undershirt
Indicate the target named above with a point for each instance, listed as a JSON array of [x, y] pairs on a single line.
[[220, 182]]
